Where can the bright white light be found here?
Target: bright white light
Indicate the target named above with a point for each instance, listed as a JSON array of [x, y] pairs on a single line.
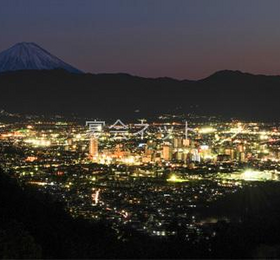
[[38, 142], [207, 130], [204, 147], [252, 175]]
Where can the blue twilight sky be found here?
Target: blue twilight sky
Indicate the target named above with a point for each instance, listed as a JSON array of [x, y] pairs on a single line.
[[176, 38]]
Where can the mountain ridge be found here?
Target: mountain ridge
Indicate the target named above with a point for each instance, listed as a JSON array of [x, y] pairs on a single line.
[[34, 81], [120, 95]]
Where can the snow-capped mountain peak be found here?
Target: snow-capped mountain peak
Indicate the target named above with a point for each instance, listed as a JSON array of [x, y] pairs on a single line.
[[30, 56]]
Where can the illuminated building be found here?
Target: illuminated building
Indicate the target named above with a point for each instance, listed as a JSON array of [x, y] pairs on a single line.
[[146, 159], [205, 151], [240, 148], [179, 155], [177, 142], [119, 153], [69, 141], [227, 151], [166, 152], [242, 157], [93, 147], [232, 154], [195, 156], [186, 142]]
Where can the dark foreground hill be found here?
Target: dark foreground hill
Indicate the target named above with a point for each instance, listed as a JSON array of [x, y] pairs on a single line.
[[225, 93], [32, 225]]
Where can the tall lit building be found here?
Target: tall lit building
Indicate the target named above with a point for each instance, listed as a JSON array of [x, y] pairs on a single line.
[[166, 152], [242, 157], [93, 147], [195, 155], [177, 142]]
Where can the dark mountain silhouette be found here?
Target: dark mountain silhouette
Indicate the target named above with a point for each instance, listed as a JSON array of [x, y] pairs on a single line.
[[30, 56], [226, 93]]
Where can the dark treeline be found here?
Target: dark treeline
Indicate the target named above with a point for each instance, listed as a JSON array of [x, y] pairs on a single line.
[[32, 225]]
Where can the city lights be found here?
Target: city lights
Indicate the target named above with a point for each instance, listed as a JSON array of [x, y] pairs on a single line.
[[126, 178], [252, 175], [174, 178]]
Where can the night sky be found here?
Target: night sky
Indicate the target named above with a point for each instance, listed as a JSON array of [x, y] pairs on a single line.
[[153, 38]]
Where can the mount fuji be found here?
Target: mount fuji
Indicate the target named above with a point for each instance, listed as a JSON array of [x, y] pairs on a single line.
[[30, 56]]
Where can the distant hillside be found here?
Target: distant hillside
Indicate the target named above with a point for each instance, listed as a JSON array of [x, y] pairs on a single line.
[[226, 93]]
